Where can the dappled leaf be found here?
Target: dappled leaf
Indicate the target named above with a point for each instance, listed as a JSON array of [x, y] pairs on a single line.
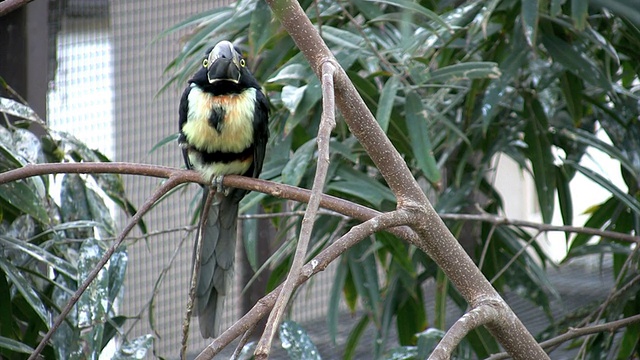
[[297, 342]]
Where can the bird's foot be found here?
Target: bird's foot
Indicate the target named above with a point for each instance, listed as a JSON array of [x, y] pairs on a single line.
[[216, 182]]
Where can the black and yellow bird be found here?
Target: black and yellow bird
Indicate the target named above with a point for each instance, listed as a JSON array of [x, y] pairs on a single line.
[[223, 130]]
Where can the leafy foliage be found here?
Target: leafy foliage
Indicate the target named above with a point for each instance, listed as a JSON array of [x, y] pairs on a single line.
[[453, 84], [48, 247]]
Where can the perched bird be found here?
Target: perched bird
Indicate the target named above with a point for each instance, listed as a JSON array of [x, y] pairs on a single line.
[[223, 130]]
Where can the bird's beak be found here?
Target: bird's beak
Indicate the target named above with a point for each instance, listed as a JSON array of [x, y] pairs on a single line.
[[223, 63]]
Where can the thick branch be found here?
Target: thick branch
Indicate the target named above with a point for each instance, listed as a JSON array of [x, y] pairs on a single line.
[[317, 264]]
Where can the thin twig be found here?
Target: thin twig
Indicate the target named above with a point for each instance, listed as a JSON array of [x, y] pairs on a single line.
[[195, 272], [158, 193], [514, 257], [499, 220], [476, 317], [319, 263], [573, 333], [327, 124]]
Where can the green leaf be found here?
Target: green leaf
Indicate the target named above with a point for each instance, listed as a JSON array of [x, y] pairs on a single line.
[[297, 166], [427, 341], [600, 215], [291, 97], [25, 199], [564, 197], [386, 101], [419, 137], [354, 338], [442, 289], [625, 198], [529, 13], [579, 12], [14, 108], [411, 318], [297, 342], [356, 183], [415, 7], [40, 254], [463, 71], [14, 345], [575, 61], [541, 157], [173, 138], [556, 7], [25, 288]]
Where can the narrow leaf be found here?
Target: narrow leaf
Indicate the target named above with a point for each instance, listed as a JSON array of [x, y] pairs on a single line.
[[297, 342], [386, 101], [529, 12], [419, 137]]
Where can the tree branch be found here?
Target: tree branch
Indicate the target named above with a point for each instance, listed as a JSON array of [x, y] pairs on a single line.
[[499, 220], [327, 124], [573, 333], [8, 6], [478, 316], [317, 264]]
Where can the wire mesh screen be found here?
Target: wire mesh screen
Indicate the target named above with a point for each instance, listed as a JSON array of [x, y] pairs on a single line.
[[109, 72]]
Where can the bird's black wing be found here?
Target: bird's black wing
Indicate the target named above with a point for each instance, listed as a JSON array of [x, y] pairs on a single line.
[[183, 111]]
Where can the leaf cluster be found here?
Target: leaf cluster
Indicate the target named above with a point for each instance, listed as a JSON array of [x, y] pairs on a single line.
[[53, 231]]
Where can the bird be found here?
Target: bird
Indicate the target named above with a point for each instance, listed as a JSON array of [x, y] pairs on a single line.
[[223, 130]]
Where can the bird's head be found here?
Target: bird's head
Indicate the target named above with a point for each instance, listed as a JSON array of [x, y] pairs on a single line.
[[225, 63]]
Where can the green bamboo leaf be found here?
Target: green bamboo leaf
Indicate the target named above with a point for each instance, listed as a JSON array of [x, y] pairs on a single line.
[[579, 13], [40, 254], [625, 198], [415, 7], [258, 27], [360, 185], [210, 16], [572, 89], [411, 317], [14, 345], [442, 289], [333, 309], [25, 288], [419, 137], [291, 97], [14, 108], [386, 101], [556, 7], [542, 160], [297, 166], [575, 61], [529, 13], [587, 138], [497, 92], [25, 199], [343, 38], [354, 338], [427, 341], [173, 138], [564, 197], [463, 71], [365, 276]]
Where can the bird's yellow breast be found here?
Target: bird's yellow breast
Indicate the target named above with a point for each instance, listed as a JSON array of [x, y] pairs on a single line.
[[236, 130]]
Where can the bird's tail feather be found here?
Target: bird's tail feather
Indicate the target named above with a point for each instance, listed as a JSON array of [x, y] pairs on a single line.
[[216, 262]]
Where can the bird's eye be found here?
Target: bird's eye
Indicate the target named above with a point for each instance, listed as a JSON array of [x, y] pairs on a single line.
[[205, 62], [243, 63]]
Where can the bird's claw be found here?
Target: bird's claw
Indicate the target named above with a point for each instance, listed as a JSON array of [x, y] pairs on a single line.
[[216, 182]]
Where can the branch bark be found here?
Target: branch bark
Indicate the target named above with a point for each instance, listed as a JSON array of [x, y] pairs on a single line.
[[478, 316]]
